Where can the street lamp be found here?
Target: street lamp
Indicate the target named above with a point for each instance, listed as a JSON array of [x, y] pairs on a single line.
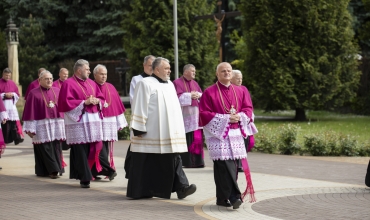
[[11, 32]]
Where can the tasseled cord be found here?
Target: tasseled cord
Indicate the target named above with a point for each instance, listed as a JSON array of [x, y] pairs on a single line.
[[93, 158], [111, 161], [249, 190]]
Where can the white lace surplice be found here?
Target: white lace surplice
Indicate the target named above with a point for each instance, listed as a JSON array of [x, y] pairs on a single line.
[[225, 144], [87, 130], [11, 109], [190, 113], [111, 125], [46, 130]]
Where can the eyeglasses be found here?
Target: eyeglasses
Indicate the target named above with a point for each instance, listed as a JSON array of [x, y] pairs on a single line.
[[46, 79]]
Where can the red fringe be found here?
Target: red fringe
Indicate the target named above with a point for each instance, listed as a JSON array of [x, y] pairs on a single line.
[[111, 161], [95, 149], [249, 189]]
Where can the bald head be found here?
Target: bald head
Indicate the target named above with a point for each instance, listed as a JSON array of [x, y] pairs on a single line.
[[223, 73]]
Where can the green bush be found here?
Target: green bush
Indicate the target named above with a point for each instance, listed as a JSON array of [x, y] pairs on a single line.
[[315, 145], [348, 146], [364, 150], [266, 140], [124, 134], [288, 139]]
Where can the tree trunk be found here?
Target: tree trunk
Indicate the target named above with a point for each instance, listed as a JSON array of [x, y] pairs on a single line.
[[300, 114]]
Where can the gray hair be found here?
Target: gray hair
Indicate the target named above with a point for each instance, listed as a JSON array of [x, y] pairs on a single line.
[[237, 72], [149, 57], [80, 63], [157, 62], [188, 66], [7, 70], [96, 69], [63, 69], [40, 70], [43, 73]]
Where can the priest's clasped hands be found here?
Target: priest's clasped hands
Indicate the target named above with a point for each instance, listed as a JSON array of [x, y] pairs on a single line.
[[9, 95], [92, 101], [234, 118], [195, 95]]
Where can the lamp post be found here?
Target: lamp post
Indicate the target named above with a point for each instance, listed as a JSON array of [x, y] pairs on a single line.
[[12, 42]]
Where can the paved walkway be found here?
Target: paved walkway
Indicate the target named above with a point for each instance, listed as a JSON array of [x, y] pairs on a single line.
[[287, 187]]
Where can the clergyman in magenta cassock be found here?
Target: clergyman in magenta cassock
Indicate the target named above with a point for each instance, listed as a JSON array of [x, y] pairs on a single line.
[[12, 129], [3, 117], [224, 114], [189, 94], [81, 101], [113, 121], [45, 125]]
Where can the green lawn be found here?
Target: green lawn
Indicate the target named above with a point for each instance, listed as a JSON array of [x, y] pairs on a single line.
[[320, 121]]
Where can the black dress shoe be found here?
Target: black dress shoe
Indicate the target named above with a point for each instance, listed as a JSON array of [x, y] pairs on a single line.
[[112, 175], [186, 191], [1, 168], [236, 204], [224, 203], [240, 169], [85, 184], [97, 178]]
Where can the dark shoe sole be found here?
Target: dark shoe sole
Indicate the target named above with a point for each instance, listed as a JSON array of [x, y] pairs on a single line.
[[224, 204], [111, 177], [237, 204], [192, 188], [85, 186]]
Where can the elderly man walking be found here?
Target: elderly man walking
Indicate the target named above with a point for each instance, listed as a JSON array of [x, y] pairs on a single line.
[[12, 129], [148, 71], [113, 121], [81, 101], [224, 115], [45, 125], [189, 94], [159, 137]]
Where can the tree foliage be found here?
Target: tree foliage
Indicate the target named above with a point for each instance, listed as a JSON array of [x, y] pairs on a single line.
[[301, 54], [3, 51], [74, 28], [33, 53], [148, 29]]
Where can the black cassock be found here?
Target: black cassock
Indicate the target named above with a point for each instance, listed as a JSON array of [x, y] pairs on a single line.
[[191, 160], [155, 175], [48, 158]]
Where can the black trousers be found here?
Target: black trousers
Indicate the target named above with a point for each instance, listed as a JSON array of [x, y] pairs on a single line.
[[48, 158], [189, 159], [155, 175], [79, 166], [10, 133], [226, 175]]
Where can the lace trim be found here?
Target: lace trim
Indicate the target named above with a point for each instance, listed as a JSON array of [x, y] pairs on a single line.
[[4, 115], [185, 99], [76, 113], [84, 132], [45, 130], [121, 121], [11, 109], [191, 118], [247, 128], [109, 127], [230, 148], [219, 126]]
